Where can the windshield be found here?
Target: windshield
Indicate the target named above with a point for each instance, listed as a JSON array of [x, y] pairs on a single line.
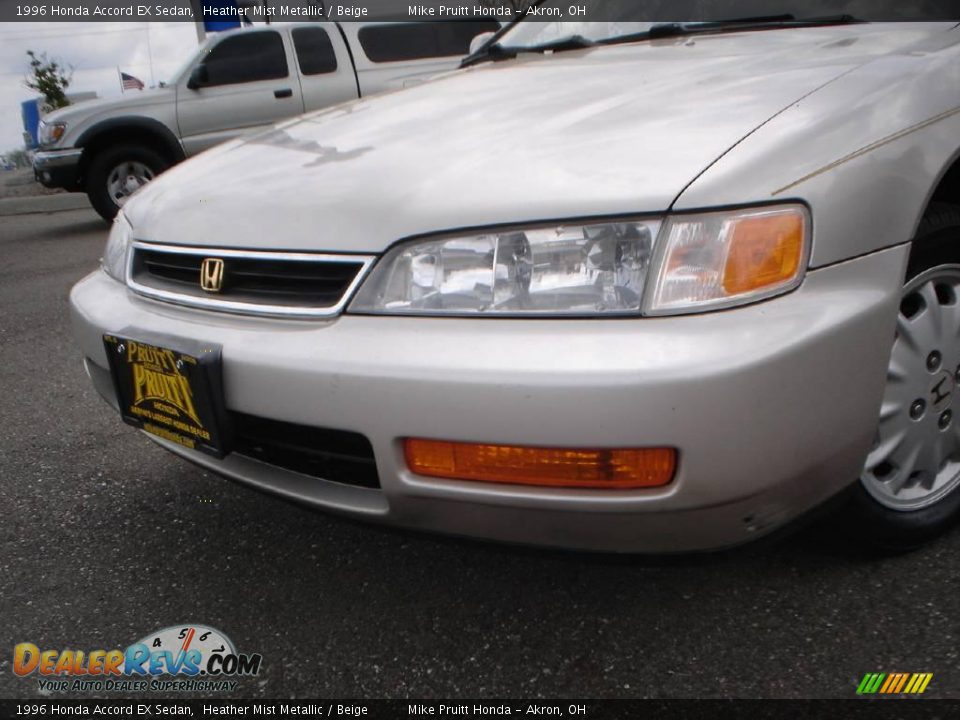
[[617, 18], [188, 63]]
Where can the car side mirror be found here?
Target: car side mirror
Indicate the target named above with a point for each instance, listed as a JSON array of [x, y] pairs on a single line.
[[479, 41], [198, 77]]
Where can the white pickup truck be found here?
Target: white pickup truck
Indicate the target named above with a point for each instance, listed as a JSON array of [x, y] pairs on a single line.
[[237, 82]]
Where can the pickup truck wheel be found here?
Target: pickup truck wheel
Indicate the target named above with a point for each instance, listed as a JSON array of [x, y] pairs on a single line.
[[117, 172], [909, 490]]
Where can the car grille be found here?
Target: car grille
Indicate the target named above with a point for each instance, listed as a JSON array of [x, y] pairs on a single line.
[[335, 455], [263, 283]]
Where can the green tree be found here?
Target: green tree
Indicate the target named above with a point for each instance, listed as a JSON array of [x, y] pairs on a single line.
[[49, 78]]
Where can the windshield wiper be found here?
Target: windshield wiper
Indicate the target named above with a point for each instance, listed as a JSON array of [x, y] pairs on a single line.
[[674, 29], [771, 22], [496, 51]]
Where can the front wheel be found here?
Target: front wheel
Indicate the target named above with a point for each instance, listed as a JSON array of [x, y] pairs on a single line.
[[908, 491], [118, 172]]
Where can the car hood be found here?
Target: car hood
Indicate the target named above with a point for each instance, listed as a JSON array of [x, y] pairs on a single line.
[[605, 131], [94, 108]]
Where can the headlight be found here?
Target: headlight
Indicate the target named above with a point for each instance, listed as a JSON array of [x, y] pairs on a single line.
[[597, 269], [697, 262], [114, 262], [722, 259], [50, 133]]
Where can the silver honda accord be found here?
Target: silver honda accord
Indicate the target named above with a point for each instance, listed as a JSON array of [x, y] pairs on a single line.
[[621, 285]]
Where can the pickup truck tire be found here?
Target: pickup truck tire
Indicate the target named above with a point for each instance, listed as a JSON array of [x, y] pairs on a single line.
[[909, 491], [117, 172]]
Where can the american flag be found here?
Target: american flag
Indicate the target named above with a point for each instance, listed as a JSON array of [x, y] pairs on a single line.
[[129, 82]]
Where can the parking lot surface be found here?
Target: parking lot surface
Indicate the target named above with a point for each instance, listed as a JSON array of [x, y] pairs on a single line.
[[105, 538]]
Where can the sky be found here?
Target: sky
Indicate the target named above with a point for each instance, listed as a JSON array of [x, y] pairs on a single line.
[[95, 50]]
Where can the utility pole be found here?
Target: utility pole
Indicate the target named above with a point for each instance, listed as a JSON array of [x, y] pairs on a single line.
[[149, 53], [197, 8]]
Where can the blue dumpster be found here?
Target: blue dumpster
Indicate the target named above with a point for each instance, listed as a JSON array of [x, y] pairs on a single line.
[[216, 25], [30, 112]]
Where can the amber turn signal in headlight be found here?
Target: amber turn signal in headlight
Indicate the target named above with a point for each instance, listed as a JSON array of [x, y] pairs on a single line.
[[613, 469], [722, 259], [50, 133], [764, 250]]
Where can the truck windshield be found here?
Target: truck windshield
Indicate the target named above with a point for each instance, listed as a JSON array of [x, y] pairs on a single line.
[[613, 19], [187, 64]]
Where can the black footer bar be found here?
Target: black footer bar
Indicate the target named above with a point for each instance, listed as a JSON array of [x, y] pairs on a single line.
[[894, 709]]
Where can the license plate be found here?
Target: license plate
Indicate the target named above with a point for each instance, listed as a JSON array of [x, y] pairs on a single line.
[[170, 388]]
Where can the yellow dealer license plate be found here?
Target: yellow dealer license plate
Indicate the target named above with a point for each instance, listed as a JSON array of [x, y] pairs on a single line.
[[171, 388]]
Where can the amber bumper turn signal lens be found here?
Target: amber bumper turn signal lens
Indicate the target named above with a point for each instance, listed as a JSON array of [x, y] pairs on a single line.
[[614, 469]]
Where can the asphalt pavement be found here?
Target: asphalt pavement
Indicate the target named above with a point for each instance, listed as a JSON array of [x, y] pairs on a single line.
[[105, 538]]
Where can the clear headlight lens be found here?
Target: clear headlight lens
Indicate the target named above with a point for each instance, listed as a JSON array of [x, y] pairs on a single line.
[[114, 261], [729, 258], [700, 262], [596, 269], [50, 133]]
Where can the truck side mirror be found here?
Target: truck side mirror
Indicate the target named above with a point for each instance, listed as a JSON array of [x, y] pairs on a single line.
[[479, 41], [198, 77]]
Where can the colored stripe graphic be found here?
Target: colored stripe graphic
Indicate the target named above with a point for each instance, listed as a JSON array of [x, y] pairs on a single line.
[[894, 683], [870, 683], [892, 680], [922, 685]]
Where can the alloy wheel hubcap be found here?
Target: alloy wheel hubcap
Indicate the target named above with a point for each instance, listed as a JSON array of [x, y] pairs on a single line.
[[125, 179], [915, 460]]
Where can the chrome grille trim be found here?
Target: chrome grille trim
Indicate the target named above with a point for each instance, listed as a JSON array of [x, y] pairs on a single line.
[[247, 308]]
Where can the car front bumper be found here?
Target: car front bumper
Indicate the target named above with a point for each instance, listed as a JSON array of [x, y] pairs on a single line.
[[772, 406], [58, 168]]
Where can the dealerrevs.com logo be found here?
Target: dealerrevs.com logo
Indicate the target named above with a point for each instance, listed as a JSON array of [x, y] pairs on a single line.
[[180, 658]]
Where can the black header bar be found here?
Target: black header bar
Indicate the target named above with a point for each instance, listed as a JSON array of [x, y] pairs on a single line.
[[444, 10]]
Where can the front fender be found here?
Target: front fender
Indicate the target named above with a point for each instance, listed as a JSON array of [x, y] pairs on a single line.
[[141, 124], [865, 152]]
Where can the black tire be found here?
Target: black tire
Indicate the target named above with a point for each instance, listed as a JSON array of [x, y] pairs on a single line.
[[103, 164], [867, 520]]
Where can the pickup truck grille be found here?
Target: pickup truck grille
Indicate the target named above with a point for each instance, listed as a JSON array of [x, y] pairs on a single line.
[[258, 283]]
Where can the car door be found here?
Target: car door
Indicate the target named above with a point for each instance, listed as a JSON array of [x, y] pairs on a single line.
[[247, 81], [326, 70]]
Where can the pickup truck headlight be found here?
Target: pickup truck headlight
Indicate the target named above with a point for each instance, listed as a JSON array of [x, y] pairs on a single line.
[[114, 261], [722, 259], [574, 269], [50, 133]]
